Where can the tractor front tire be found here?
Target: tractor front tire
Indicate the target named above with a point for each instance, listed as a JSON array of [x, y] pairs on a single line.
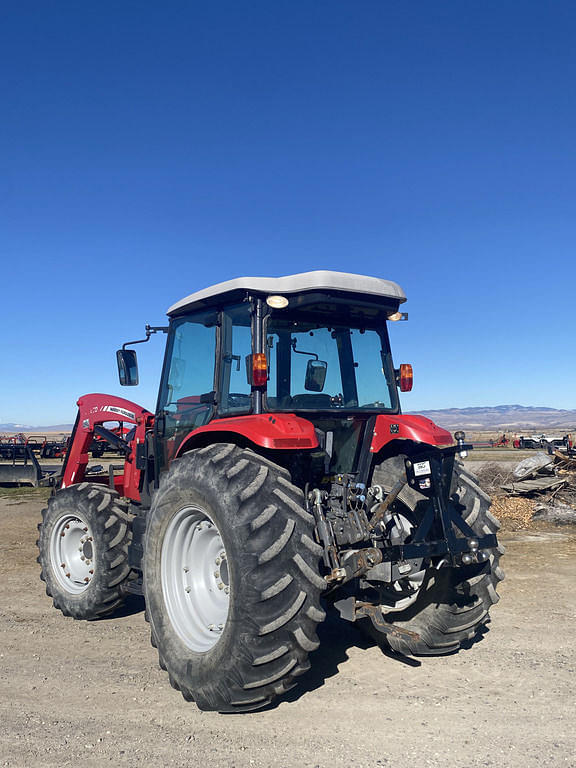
[[231, 578], [452, 605], [83, 550]]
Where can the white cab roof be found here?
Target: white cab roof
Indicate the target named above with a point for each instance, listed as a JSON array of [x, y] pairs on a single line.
[[320, 280]]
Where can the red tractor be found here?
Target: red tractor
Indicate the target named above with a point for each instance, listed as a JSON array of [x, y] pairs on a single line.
[[277, 476]]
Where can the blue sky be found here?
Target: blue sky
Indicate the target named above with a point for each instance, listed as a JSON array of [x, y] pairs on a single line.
[[150, 149]]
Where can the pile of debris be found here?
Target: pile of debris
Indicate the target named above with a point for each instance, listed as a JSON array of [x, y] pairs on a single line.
[[514, 512], [552, 480]]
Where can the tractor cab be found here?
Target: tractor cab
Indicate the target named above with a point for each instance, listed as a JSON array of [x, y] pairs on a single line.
[[314, 345]]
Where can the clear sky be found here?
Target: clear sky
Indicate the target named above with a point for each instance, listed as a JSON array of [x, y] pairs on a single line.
[[149, 149]]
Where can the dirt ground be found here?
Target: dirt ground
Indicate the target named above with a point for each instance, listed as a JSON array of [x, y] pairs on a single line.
[[91, 693]]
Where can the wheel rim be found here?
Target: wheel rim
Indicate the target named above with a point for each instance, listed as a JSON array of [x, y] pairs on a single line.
[[195, 579], [72, 553], [399, 595]]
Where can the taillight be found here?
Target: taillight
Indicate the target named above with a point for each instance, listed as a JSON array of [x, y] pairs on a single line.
[[259, 370], [406, 377]]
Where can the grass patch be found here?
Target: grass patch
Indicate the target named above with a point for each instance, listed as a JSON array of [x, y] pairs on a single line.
[[25, 492]]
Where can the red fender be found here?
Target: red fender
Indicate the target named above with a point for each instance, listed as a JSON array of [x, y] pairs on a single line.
[[283, 431], [405, 427], [288, 431], [97, 409]]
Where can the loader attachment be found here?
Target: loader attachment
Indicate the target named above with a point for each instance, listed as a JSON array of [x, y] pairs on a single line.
[[22, 468], [94, 410]]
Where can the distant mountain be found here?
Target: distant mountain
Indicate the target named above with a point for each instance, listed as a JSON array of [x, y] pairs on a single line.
[[37, 430], [506, 417], [510, 417]]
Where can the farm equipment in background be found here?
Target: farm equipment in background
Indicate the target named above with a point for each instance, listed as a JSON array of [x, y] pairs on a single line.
[[101, 445], [19, 465], [15, 446], [277, 472], [501, 442], [20, 456], [48, 447], [12, 446], [55, 449], [542, 442]]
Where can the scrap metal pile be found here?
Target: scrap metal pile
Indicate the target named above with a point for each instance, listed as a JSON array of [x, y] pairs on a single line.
[[542, 473], [551, 481]]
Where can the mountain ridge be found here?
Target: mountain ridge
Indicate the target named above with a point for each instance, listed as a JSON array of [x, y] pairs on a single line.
[[511, 417], [516, 417], [27, 429]]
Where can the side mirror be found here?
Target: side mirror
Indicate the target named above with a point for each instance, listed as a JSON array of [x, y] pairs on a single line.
[[127, 367], [315, 375]]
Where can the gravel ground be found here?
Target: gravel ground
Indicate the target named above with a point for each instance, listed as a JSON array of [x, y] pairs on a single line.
[[91, 693]]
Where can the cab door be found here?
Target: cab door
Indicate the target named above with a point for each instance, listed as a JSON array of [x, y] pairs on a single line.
[[187, 392]]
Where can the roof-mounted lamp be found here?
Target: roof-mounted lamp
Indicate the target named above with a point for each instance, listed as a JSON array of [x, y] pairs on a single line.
[[277, 302], [396, 316]]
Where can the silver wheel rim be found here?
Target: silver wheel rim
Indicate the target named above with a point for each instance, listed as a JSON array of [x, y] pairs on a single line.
[[414, 580], [72, 553], [195, 579]]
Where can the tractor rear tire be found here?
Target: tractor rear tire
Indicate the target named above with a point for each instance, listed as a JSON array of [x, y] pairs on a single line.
[[83, 550], [452, 605], [231, 578]]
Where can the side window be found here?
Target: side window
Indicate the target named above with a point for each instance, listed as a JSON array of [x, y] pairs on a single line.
[[370, 364], [185, 399], [235, 391]]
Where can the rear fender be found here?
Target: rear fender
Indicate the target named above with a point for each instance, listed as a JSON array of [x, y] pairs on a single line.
[[279, 431], [417, 429]]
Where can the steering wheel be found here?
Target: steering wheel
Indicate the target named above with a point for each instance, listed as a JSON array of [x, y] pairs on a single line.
[[238, 399]]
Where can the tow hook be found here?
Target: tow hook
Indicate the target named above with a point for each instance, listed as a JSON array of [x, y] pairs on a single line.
[[374, 613], [351, 609]]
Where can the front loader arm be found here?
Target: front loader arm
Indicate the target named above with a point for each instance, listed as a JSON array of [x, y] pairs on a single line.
[[96, 409]]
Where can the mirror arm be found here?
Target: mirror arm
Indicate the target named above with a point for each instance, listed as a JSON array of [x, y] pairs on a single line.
[[150, 329], [301, 352]]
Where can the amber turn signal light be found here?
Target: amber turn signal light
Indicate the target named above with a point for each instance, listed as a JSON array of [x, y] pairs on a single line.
[[259, 370], [406, 377]]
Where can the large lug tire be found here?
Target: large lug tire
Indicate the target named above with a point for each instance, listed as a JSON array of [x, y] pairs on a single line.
[[83, 550], [451, 606], [231, 578]]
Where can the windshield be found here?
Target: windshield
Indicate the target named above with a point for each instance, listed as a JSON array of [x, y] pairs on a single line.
[[319, 367]]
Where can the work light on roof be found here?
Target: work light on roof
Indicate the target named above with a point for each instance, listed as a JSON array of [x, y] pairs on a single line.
[[277, 302]]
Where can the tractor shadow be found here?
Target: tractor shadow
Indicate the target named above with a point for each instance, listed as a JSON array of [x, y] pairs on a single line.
[[132, 605], [336, 638]]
